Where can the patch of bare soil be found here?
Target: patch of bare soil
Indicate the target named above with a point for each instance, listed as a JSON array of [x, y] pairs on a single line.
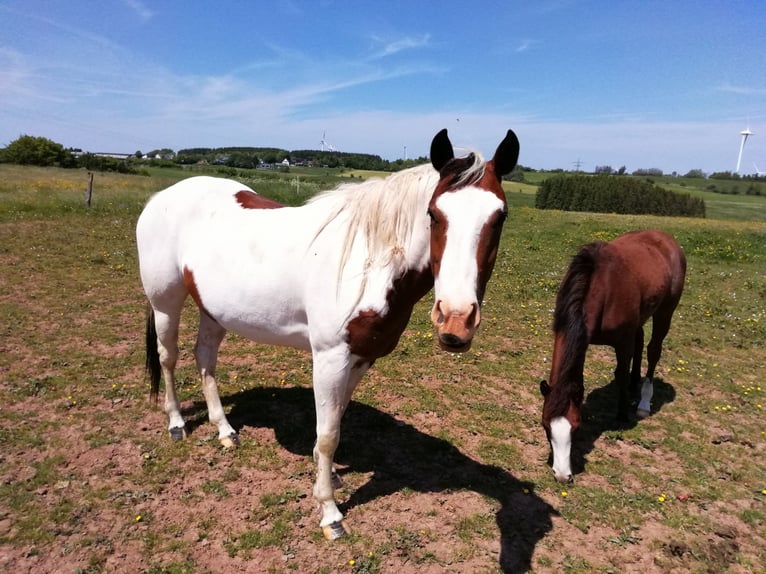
[[106, 491]]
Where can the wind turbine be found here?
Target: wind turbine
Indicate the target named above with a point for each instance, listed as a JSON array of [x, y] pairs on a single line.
[[326, 146], [745, 134], [758, 172]]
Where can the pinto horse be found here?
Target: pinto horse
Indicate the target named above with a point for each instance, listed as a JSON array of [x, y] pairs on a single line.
[[609, 292], [338, 276]]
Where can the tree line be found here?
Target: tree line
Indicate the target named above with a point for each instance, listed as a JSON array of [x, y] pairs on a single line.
[[614, 194], [40, 151]]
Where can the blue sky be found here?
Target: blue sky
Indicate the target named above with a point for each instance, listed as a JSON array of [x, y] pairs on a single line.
[[663, 84]]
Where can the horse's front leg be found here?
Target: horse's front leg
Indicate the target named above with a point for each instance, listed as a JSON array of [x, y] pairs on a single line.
[[335, 378]]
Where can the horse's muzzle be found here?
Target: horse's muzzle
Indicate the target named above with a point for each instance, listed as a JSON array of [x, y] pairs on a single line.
[[455, 327], [452, 344]]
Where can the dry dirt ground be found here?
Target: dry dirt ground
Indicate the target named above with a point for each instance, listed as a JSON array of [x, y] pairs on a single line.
[[109, 492], [90, 481]]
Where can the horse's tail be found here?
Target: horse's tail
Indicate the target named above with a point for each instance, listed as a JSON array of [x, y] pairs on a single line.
[[153, 368]]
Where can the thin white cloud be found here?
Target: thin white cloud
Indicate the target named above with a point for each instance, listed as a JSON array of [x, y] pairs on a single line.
[[140, 9], [524, 45], [391, 47], [742, 90]]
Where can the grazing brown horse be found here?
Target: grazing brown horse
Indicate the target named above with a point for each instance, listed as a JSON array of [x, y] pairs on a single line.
[[609, 292]]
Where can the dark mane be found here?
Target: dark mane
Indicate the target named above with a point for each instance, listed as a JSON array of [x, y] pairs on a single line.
[[569, 320]]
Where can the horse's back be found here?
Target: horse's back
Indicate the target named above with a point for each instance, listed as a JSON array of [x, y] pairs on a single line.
[[635, 274], [653, 258], [169, 218]]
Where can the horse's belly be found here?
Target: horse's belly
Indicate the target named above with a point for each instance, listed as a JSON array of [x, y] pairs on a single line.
[[270, 331]]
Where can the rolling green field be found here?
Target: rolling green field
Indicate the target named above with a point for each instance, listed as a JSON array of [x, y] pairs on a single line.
[[443, 457]]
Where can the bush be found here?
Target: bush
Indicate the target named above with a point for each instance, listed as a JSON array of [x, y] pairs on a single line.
[[30, 150], [614, 194]]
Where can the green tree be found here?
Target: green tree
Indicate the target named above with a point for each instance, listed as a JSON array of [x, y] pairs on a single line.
[[30, 150]]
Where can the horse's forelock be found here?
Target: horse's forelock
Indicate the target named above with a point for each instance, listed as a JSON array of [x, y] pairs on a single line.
[[465, 170]]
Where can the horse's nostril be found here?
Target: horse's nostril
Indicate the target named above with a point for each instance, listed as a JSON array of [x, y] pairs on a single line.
[[436, 313], [451, 340]]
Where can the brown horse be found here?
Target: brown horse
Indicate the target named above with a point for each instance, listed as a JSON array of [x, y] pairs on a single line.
[[609, 292]]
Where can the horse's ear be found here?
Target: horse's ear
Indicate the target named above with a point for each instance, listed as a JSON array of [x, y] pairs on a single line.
[[441, 150], [544, 388], [506, 155]]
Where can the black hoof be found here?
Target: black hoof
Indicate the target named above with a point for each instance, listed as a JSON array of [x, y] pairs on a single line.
[[177, 433]]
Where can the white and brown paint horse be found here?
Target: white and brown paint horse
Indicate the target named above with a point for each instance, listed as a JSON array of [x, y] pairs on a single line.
[[338, 276]]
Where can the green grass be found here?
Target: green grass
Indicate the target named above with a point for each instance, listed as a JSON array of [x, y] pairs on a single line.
[[443, 455]]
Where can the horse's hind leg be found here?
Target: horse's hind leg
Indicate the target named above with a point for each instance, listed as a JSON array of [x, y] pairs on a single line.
[[166, 323], [206, 353], [622, 378], [660, 328], [638, 355]]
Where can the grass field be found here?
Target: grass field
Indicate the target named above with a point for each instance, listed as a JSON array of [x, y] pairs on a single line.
[[443, 456]]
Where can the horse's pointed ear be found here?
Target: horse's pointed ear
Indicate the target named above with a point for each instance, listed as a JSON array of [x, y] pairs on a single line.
[[441, 150], [544, 388], [506, 155]]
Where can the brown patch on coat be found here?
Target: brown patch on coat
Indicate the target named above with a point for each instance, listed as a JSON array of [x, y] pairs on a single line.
[[372, 335], [251, 200], [191, 287]]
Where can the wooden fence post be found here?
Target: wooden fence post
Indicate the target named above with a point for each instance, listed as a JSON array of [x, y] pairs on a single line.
[[89, 190]]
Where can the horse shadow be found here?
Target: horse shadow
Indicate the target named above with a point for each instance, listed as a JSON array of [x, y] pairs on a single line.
[[399, 456], [599, 415]]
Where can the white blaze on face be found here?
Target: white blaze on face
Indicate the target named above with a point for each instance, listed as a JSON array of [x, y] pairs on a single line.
[[561, 444], [466, 211]]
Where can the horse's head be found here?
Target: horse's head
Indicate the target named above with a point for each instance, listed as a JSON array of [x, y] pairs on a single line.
[[561, 418], [467, 212]]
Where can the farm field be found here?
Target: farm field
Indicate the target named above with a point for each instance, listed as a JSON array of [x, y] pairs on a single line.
[[443, 458]]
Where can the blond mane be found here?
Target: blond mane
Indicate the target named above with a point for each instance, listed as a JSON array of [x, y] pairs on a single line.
[[384, 211]]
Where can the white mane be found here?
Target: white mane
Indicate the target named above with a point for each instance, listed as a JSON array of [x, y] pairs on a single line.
[[385, 212]]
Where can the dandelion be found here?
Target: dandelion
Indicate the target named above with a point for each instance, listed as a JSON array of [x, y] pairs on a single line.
[[138, 518], [564, 493], [661, 498], [351, 562]]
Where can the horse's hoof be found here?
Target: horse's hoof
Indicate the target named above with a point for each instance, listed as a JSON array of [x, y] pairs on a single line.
[[335, 530], [231, 441], [177, 433], [642, 414]]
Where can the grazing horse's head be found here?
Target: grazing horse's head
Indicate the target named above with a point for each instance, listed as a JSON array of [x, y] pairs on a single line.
[[467, 212], [561, 418]]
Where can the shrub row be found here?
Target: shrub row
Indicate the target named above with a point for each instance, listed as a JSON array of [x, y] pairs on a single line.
[[613, 194]]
